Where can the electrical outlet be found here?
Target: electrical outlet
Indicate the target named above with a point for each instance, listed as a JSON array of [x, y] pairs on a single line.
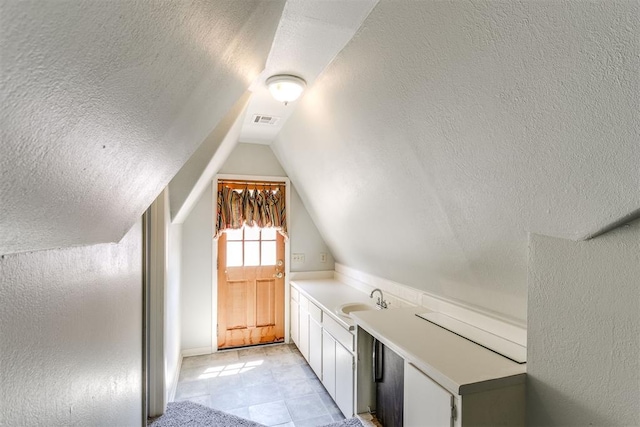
[[323, 257], [297, 258]]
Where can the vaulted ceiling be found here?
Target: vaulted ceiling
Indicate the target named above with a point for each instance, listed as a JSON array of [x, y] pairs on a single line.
[[445, 132], [436, 140], [103, 102]]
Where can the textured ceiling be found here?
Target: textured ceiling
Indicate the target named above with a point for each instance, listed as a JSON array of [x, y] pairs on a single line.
[[103, 101], [186, 188], [310, 34], [444, 132]]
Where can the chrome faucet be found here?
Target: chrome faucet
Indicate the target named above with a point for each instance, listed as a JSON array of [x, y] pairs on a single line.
[[380, 303]]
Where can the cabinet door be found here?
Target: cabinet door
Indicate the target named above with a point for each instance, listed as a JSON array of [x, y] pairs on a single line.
[[329, 363], [294, 323], [303, 332], [344, 380], [426, 403], [315, 346]]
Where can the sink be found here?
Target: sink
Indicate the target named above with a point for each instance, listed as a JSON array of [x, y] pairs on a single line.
[[346, 309]]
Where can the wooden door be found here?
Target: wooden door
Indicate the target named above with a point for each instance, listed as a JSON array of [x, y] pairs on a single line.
[[250, 287]]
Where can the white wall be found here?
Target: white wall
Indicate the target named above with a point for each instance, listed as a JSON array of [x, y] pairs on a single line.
[[445, 130], [164, 301], [196, 271], [304, 238], [257, 159], [584, 330], [71, 351]]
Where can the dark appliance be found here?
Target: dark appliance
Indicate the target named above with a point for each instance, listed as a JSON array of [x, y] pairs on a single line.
[[388, 374]]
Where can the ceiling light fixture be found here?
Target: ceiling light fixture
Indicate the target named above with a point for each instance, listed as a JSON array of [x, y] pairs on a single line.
[[286, 88]]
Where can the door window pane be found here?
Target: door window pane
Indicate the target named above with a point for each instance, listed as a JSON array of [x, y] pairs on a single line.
[[251, 253], [234, 254], [268, 253], [234, 234], [251, 233], [269, 233]]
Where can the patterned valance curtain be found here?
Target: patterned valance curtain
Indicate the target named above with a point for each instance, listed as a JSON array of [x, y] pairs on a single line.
[[260, 205]]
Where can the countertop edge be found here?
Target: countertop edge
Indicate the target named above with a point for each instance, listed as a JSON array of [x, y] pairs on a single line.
[[341, 320], [420, 363], [452, 386]]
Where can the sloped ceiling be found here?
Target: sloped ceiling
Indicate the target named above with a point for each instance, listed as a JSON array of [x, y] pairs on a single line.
[[310, 34], [445, 131], [196, 174], [103, 101]]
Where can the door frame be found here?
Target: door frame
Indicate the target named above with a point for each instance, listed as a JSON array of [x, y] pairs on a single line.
[[154, 288], [214, 251]]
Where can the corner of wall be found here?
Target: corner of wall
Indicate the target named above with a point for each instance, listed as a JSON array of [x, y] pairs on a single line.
[[584, 323]]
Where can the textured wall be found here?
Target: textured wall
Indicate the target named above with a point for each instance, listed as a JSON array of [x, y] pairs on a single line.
[[102, 102], [196, 275], [444, 131], [71, 333], [584, 330]]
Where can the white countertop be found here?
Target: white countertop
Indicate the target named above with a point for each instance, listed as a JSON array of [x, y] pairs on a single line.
[[329, 294], [457, 364]]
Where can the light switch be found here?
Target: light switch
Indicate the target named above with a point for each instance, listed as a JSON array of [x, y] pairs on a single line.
[[297, 258], [323, 257]]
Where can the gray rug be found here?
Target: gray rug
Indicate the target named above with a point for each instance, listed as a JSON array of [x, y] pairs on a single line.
[[191, 414]]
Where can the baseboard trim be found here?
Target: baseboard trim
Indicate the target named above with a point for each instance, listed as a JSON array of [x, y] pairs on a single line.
[[199, 351], [493, 323]]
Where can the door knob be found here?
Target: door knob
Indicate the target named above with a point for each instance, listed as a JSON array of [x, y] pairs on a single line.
[[278, 275]]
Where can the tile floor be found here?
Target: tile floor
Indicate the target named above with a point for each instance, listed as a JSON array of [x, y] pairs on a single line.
[[272, 385]]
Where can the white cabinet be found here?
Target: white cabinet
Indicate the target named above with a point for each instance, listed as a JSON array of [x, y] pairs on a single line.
[[447, 380], [327, 346], [303, 327], [426, 403], [309, 339], [344, 380], [315, 339], [329, 363], [295, 321], [337, 372]]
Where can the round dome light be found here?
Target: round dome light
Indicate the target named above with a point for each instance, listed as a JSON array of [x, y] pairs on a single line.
[[286, 88]]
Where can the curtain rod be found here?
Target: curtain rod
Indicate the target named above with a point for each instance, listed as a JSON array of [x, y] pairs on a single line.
[[230, 181]]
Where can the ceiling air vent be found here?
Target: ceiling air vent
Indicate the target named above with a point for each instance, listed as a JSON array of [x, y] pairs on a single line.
[[261, 119]]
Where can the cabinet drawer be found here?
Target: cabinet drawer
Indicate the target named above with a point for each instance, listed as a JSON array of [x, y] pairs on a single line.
[[294, 294], [315, 312], [303, 301], [341, 335]]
